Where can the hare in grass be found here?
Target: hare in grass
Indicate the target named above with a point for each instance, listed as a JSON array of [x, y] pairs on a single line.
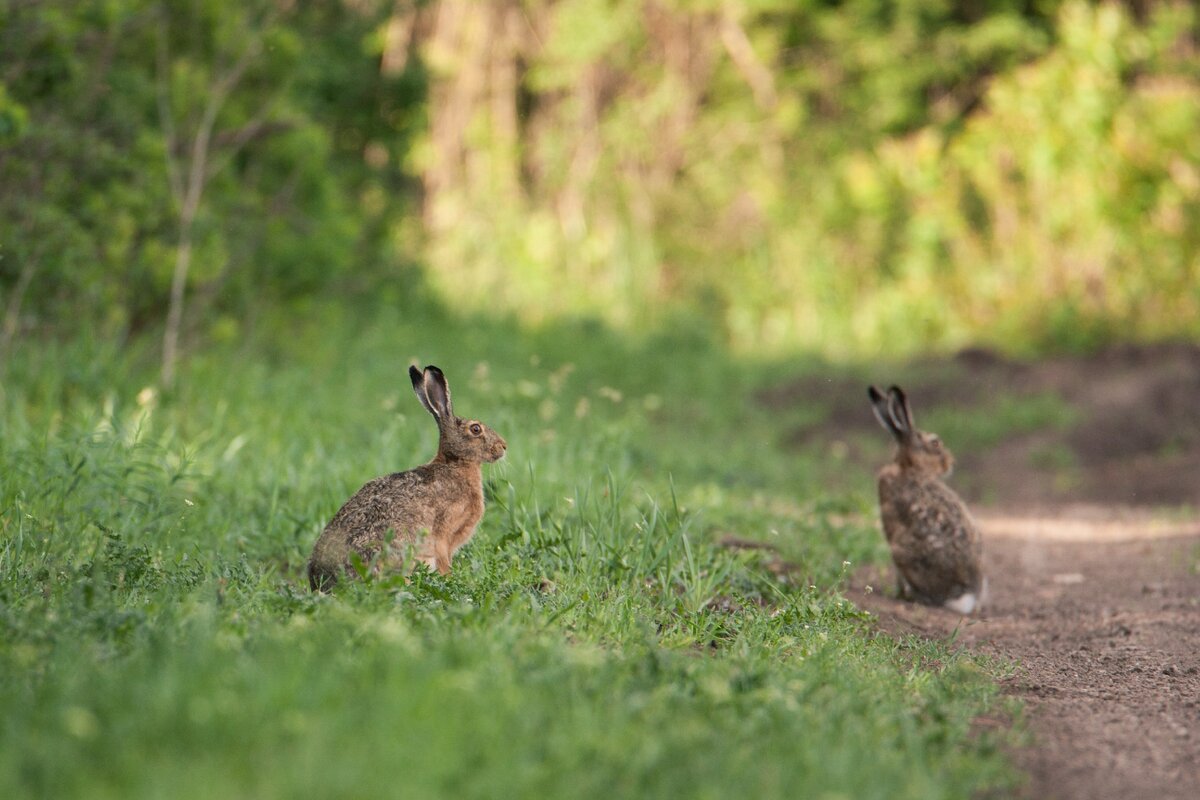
[[934, 541], [431, 510]]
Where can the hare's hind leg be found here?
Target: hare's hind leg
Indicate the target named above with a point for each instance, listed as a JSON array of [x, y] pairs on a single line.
[[320, 579], [433, 559], [428, 554], [442, 556], [435, 550], [436, 554]]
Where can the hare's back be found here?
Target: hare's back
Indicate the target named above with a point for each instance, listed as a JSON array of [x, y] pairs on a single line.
[[398, 502], [396, 505], [934, 540]]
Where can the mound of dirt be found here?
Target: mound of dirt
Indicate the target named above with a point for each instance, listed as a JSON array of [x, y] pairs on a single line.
[[1135, 439]]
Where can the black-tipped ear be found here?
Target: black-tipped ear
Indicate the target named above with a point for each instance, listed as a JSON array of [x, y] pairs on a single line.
[[418, 381], [438, 392], [900, 409], [880, 405]]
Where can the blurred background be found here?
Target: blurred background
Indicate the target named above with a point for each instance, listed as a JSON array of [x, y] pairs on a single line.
[[851, 178], [662, 247]]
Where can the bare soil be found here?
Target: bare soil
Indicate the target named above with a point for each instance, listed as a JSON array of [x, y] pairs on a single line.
[[1104, 636], [1134, 440], [1094, 579]]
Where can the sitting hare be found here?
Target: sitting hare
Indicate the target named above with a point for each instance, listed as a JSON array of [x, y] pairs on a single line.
[[433, 508], [934, 541]]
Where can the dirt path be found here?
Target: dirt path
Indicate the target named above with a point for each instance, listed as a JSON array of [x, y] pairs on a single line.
[[1100, 610], [1098, 606]]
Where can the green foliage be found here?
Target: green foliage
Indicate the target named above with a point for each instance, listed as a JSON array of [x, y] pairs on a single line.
[[851, 177], [727, 209], [1002, 418], [1060, 214], [13, 118], [105, 105], [156, 636], [856, 177]]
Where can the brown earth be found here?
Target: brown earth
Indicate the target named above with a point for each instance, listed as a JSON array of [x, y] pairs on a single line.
[[1134, 438], [1093, 557], [1104, 635]]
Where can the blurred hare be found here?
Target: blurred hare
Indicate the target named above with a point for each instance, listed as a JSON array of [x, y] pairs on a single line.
[[432, 509], [934, 541]]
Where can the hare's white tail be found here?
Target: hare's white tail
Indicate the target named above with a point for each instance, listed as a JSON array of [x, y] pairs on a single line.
[[969, 602], [963, 604]]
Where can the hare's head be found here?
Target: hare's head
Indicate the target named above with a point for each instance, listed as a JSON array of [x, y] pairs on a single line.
[[458, 439], [918, 451]]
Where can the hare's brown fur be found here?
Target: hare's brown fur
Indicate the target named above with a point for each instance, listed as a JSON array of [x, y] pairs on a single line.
[[427, 513], [935, 543]]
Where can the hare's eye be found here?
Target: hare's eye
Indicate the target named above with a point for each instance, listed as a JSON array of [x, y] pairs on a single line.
[[935, 442], [476, 428]]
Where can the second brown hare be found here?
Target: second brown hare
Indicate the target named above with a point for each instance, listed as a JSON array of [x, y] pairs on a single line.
[[431, 510], [935, 543]]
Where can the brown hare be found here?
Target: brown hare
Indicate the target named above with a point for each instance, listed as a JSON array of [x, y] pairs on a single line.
[[934, 541], [432, 509]]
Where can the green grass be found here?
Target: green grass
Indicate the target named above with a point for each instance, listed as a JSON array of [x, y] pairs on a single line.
[[1001, 418], [594, 640]]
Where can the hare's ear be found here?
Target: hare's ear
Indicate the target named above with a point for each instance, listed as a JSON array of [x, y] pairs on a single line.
[[418, 381], [901, 412], [437, 391], [882, 408]]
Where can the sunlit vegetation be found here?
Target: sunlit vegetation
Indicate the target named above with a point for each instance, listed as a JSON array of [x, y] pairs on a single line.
[[226, 230], [858, 177], [598, 636]]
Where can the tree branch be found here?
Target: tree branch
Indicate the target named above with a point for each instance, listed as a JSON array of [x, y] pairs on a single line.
[[258, 127], [756, 75], [12, 314], [193, 191], [166, 118]]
